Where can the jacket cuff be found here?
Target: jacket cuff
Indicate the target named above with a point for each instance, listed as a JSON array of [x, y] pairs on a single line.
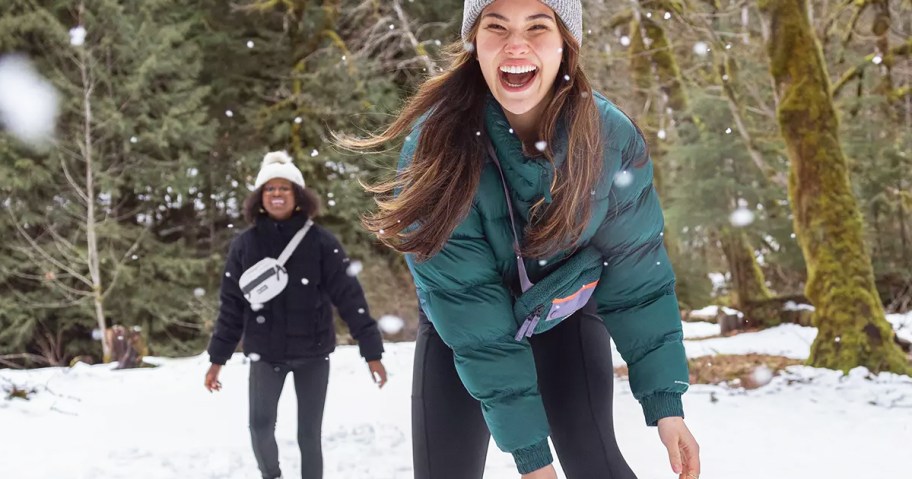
[[661, 404], [371, 348], [217, 360], [533, 458]]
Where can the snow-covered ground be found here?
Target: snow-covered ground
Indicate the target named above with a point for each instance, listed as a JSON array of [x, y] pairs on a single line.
[[90, 422]]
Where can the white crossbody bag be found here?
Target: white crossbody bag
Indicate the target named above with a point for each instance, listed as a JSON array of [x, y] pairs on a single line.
[[268, 277]]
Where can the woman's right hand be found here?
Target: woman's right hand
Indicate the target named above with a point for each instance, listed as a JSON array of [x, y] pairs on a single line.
[[546, 472], [212, 383]]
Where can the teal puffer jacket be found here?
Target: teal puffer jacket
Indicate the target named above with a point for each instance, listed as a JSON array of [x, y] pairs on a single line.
[[465, 289]]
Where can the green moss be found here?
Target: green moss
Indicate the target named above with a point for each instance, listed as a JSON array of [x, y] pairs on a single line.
[[853, 330]]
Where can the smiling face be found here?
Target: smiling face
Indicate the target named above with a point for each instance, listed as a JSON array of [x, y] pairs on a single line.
[[278, 199], [519, 49]]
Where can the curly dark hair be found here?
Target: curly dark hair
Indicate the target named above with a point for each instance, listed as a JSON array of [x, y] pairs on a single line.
[[306, 201]]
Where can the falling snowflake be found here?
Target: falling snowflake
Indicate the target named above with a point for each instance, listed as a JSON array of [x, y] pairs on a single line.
[[541, 145], [249, 43], [623, 179], [390, 324], [28, 102], [468, 47], [360, 310], [305, 281], [229, 113], [742, 217], [625, 41], [701, 48], [254, 357], [877, 59], [762, 375], [77, 36], [199, 292], [133, 139], [354, 269], [662, 134]]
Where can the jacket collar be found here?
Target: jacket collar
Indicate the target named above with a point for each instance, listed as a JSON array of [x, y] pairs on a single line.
[[528, 178]]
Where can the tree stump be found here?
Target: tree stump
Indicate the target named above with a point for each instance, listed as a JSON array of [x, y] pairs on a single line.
[[127, 346]]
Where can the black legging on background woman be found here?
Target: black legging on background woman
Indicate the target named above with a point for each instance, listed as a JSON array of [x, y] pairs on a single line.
[[576, 380]]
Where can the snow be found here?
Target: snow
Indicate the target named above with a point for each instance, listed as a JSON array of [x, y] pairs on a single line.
[[741, 217], [390, 324], [160, 423], [28, 102], [700, 329], [713, 311], [623, 179], [77, 36], [793, 306], [902, 324]]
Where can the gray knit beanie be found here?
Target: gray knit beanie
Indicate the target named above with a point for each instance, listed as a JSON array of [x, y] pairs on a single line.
[[569, 11]]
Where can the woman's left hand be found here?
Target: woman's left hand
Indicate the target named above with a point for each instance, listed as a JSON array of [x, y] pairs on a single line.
[[378, 372], [683, 450]]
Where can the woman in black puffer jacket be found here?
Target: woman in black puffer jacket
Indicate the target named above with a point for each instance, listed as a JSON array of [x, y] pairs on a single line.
[[292, 332]]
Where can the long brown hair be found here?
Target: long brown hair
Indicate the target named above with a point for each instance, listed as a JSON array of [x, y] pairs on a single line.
[[420, 208]]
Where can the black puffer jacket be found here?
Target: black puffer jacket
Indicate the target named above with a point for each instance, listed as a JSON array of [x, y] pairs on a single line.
[[298, 322]]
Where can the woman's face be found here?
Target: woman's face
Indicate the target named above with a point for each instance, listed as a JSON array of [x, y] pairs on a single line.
[[519, 48], [278, 199]]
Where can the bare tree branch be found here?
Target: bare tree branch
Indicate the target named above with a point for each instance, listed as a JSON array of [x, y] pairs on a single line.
[[904, 49]]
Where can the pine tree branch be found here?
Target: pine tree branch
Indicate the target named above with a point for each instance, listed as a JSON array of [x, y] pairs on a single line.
[[71, 253], [44, 254], [123, 261]]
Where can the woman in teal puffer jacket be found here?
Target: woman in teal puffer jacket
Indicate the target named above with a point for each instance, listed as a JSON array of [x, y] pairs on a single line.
[[512, 133]]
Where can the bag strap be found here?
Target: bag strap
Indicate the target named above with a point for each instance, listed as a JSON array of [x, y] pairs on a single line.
[[520, 264], [295, 241]]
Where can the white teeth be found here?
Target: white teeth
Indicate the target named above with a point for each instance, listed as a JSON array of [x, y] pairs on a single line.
[[518, 69]]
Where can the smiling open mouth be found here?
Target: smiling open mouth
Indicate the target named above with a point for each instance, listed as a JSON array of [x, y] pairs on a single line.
[[517, 77]]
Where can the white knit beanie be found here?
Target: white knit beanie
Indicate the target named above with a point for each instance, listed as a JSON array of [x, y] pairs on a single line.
[[277, 164], [569, 11]]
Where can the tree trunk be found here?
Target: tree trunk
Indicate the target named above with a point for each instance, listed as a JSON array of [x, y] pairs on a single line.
[[849, 315], [750, 284], [652, 55], [94, 262]]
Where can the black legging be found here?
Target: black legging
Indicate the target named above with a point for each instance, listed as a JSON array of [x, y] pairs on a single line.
[[311, 377], [576, 380]]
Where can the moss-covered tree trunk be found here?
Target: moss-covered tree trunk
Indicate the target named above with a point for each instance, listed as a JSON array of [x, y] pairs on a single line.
[[749, 292], [849, 315], [652, 55]]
